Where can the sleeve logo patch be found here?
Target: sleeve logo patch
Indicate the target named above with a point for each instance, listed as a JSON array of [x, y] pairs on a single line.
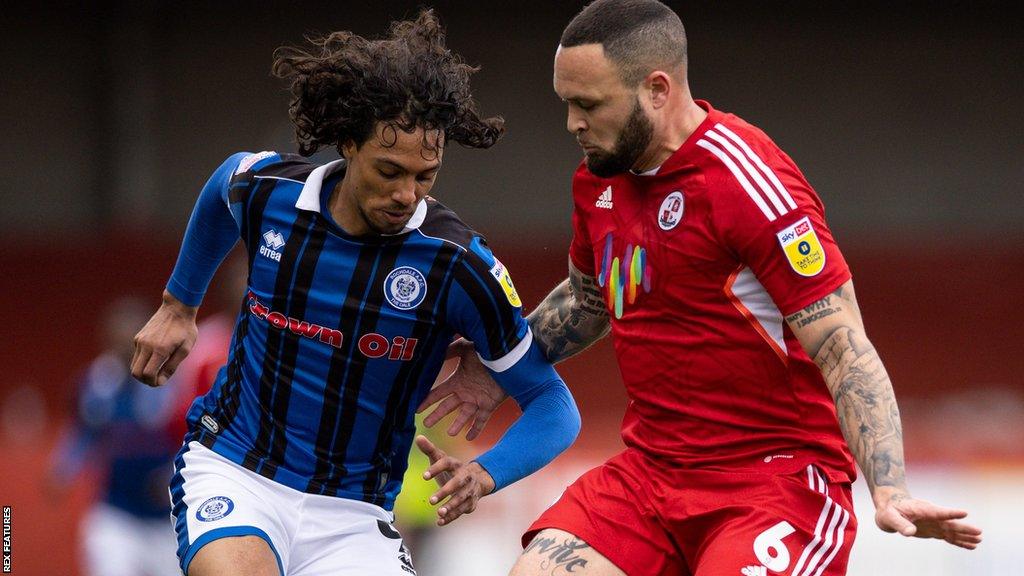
[[250, 160], [501, 274], [802, 248]]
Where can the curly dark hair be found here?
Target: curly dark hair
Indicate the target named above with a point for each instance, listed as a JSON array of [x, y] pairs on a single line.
[[408, 79]]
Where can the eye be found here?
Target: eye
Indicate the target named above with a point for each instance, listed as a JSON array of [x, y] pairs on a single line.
[[426, 177], [388, 174]]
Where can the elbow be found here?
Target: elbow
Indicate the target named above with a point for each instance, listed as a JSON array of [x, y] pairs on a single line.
[[572, 421]]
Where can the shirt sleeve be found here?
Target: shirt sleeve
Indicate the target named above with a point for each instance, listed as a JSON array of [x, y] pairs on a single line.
[[484, 307], [212, 231], [774, 222]]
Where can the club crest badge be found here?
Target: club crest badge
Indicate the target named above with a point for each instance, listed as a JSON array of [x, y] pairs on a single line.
[[405, 288], [671, 211], [214, 509], [802, 248]]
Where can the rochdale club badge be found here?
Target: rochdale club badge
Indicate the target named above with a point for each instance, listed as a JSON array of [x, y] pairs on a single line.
[[671, 211], [405, 288], [214, 509], [802, 248]]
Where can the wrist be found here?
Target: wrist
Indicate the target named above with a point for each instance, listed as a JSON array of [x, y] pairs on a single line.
[[486, 481], [171, 303], [883, 495]]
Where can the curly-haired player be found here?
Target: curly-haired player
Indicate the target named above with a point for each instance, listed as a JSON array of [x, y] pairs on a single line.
[[357, 284]]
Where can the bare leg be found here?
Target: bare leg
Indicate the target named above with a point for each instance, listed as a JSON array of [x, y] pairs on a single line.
[[235, 556], [555, 552]]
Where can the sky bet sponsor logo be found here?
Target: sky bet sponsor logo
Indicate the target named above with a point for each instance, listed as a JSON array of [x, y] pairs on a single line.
[[371, 345]]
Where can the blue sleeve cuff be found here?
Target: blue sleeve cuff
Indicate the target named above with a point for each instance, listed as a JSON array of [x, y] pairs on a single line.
[[549, 424]]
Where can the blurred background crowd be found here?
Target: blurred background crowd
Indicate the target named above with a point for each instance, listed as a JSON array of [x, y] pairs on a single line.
[[905, 116]]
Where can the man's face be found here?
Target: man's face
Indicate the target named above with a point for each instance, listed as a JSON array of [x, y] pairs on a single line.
[[604, 114], [391, 172]]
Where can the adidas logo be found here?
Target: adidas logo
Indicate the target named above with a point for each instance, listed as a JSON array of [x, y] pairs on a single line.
[[754, 571], [605, 199]]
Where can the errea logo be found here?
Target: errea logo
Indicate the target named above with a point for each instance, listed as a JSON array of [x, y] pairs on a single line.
[[273, 241]]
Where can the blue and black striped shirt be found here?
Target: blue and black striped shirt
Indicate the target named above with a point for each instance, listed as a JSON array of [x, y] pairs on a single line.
[[339, 338]]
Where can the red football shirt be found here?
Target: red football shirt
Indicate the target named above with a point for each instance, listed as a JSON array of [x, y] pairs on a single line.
[[699, 264]]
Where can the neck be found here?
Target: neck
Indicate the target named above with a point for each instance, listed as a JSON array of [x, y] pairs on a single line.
[[343, 208], [680, 124]]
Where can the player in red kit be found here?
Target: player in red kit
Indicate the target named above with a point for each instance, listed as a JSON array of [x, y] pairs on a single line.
[[752, 384]]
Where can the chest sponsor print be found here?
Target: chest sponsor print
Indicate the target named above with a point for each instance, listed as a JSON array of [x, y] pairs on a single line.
[[622, 277]]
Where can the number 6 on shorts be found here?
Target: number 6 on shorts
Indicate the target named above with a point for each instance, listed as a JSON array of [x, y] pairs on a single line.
[[770, 541]]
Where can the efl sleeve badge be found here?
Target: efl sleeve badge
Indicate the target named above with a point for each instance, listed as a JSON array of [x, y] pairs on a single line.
[[501, 274], [802, 248]]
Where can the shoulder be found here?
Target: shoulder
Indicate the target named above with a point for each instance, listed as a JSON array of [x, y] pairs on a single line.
[[747, 172], [268, 164], [443, 224]]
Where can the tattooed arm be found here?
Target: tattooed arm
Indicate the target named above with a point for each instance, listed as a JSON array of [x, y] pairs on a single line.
[[832, 332], [571, 318]]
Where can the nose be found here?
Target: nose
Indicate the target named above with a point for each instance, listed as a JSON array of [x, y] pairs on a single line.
[[575, 122], [405, 192]]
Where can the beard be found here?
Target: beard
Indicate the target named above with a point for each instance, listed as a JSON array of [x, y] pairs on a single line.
[[629, 145]]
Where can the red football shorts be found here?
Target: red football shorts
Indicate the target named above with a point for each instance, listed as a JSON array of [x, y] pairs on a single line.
[[650, 520]]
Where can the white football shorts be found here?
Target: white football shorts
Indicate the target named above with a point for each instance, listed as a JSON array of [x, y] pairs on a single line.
[[311, 535]]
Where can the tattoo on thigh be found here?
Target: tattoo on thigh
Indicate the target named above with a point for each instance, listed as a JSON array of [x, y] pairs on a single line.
[[558, 555]]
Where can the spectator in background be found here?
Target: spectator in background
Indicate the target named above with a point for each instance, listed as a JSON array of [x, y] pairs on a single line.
[[119, 427]]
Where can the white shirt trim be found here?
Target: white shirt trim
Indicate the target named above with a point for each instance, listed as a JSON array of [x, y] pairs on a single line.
[[509, 360], [309, 198]]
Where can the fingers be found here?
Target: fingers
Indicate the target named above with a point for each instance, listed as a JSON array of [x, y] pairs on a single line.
[[449, 405], [891, 520], [466, 413], [139, 360], [465, 493], [478, 425], [466, 507], [171, 365], [427, 447]]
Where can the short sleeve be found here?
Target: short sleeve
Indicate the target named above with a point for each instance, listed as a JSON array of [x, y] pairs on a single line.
[[484, 307], [774, 222]]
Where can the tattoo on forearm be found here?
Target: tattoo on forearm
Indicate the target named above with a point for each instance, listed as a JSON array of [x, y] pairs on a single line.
[[571, 318], [865, 405], [558, 555]]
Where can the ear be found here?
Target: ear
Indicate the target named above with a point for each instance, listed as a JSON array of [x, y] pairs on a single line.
[[348, 149], [659, 86]]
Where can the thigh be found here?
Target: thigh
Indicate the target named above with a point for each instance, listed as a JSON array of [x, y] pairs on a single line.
[[235, 556], [556, 551], [795, 526], [608, 509], [213, 499]]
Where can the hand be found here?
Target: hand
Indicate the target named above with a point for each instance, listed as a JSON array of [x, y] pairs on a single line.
[[470, 390], [920, 518], [164, 341], [462, 484]]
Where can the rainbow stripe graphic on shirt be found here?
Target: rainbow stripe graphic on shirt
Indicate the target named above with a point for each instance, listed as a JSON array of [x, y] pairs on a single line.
[[623, 276]]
